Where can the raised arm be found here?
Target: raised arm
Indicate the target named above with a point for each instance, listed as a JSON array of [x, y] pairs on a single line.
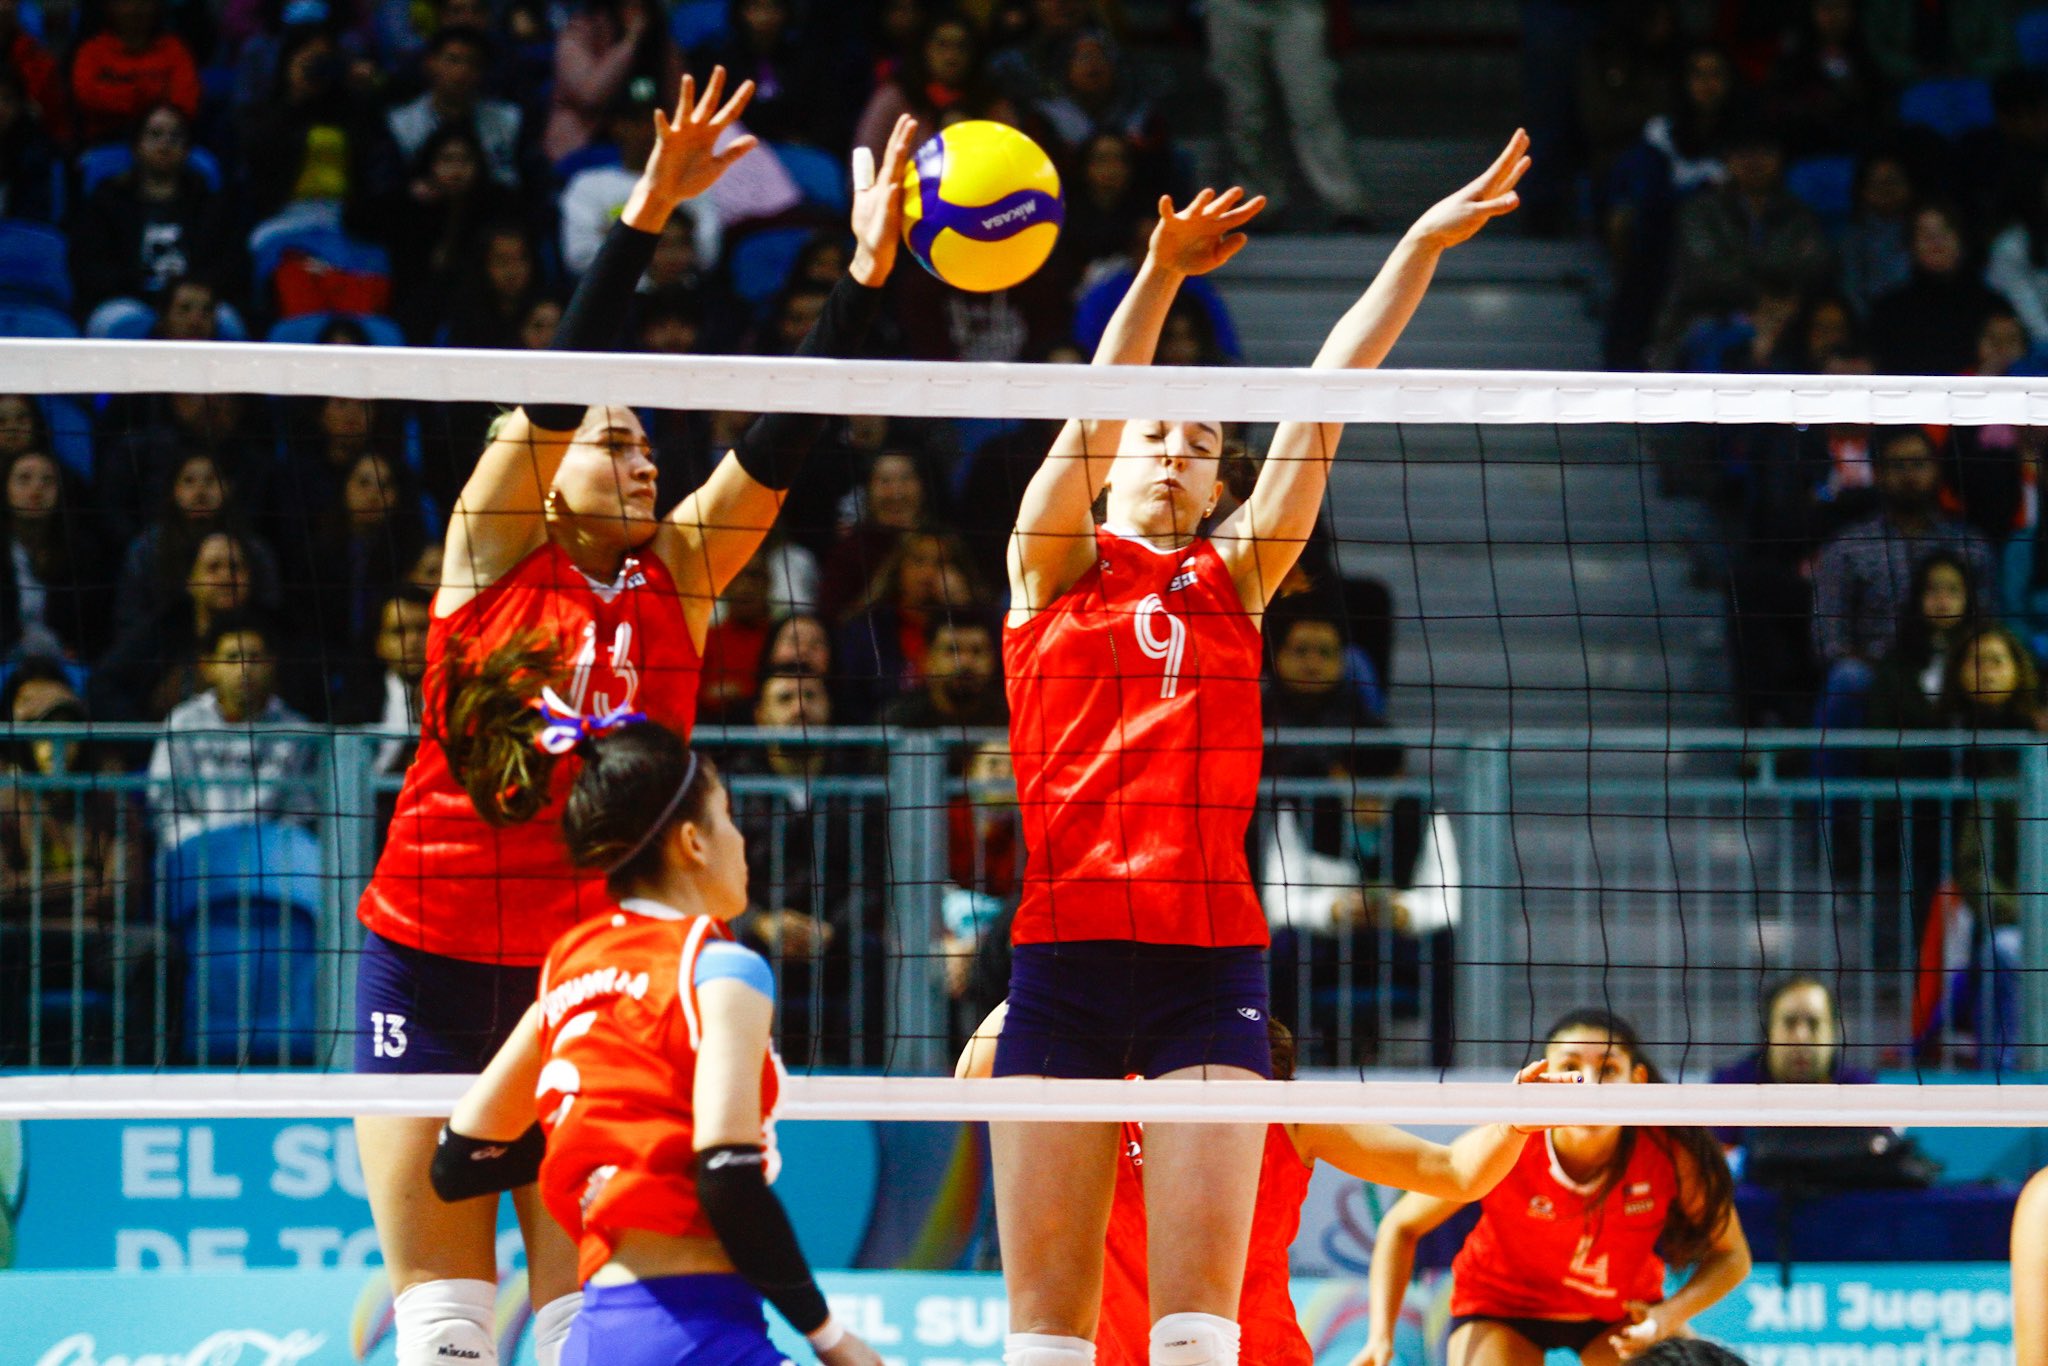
[[1054, 538], [499, 516], [1261, 540], [1462, 1170], [714, 532]]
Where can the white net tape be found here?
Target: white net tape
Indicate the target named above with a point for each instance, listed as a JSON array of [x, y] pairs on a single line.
[[928, 389], [317, 1095]]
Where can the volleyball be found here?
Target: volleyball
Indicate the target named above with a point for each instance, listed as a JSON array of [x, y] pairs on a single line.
[[981, 206]]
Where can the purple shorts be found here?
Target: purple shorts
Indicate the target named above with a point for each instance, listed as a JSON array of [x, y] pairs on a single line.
[[1113, 1008], [421, 1012]]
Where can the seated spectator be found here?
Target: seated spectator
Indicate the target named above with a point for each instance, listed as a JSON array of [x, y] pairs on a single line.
[[984, 861], [1994, 684], [1908, 688], [882, 644], [1625, 79], [815, 875], [364, 539], [59, 850], [434, 227], [963, 679], [144, 438], [1826, 91], [235, 753], [156, 223], [30, 165], [1731, 240], [1097, 95], [53, 582], [1351, 887], [1929, 325], [1987, 464], [603, 48], [1106, 205], [803, 641], [1802, 1044], [797, 96], [590, 203], [42, 78], [456, 61], [199, 500], [941, 82], [1874, 251], [503, 282], [731, 674], [1316, 682], [890, 501], [388, 694], [1106, 289], [1862, 576], [149, 670], [314, 139], [2018, 265], [131, 64], [1911, 39]]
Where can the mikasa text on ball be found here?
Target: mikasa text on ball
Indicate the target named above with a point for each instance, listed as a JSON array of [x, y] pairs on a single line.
[[981, 206]]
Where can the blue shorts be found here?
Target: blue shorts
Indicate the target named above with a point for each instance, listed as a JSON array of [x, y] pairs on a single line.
[[1114, 1008], [421, 1012], [671, 1321]]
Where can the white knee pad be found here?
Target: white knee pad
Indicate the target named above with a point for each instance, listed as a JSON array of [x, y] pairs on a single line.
[[1194, 1340], [1044, 1349], [551, 1328], [446, 1323]]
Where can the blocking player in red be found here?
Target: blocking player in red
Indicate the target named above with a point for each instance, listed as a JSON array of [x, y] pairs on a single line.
[[561, 586], [1570, 1248], [646, 1074], [1132, 657]]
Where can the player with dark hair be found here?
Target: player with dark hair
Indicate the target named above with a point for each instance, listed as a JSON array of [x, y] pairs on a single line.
[[1132, 659], [646, 1077], [562, 598], [1570, 1249]]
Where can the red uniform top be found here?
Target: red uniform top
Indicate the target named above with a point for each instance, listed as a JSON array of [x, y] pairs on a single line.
[[451, 884], [1270, 1334], [619, 1029], [1541, 1252], [1134, 726]]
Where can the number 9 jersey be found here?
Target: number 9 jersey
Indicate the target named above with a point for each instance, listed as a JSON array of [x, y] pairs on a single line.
[[1135, 730], [620, 1027]]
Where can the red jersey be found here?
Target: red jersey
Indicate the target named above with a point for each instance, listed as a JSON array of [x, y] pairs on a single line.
[[449, 883], [1134, 726], [1540, 1251], [1270, 1333], [619, 1029]]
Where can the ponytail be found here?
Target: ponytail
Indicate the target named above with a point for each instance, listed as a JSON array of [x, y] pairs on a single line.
[[492, 724]]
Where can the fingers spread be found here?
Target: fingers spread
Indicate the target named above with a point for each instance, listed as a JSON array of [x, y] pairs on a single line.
[[1243, 213], [685, 102], [714, 90], [738, 148], [733, 106]]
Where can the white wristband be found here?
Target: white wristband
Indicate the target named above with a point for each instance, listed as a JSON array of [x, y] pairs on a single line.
[[828, 1335]]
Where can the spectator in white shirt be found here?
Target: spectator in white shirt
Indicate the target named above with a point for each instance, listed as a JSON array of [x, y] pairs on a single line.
[[455, 66], [235, 753]]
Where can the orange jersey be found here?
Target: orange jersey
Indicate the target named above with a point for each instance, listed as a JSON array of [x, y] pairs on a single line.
[[1134, 726], [449, 883], [619, 1031], [1270, 1333], [1541, 1251]]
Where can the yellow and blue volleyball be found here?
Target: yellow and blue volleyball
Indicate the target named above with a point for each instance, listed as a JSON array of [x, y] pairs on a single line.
[[981, 206]]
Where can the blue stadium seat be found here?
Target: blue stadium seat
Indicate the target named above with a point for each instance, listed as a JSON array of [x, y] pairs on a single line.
[[761, 261], [1948, 106], [70, 433], [246, 901], [817, 174], [35, 265], [34, 320], [698, 23], [1824, 184], [583, 159], [305, 329], [2032, 33], [109, 159]]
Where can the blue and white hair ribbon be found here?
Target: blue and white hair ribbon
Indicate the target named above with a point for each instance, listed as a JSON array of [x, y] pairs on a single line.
[[562, 729]]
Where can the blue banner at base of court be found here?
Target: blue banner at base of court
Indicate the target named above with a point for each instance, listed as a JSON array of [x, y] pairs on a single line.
[[1951, 1315]]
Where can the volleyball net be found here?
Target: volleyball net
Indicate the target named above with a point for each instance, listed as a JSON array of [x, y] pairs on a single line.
[[1638, 692]]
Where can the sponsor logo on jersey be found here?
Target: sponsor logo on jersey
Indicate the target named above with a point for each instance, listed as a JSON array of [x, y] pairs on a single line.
[[1541, 1208], [1184, 579], [1638, 1188], [1249, 1012], [585, 987], [1634, 1207]]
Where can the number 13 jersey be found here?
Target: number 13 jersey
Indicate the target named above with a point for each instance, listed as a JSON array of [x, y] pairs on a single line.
[[1135, 730]]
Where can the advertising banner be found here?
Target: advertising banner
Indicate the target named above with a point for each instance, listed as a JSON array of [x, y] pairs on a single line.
[[1928, 1315]]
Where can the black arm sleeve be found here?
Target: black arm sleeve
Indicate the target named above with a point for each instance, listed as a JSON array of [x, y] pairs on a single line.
[[596, 312], [773, 449], [465, 1167], [732, 1186]]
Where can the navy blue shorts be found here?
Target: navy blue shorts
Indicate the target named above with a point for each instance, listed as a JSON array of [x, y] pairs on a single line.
[[1113, 1008], [671, 1321], [421, 1012]]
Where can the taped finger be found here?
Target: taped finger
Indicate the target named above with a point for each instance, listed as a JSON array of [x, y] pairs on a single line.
[[863, 169]]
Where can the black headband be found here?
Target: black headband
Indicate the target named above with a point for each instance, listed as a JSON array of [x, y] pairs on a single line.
[[660, 822]]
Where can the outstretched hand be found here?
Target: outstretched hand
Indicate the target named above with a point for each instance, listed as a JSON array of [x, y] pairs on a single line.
[[1201, 237], [1458, 218], [878, 209], [686, 160]]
